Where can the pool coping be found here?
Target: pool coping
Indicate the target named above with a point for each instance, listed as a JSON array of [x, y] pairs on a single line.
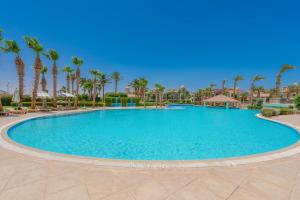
[[9, 144]]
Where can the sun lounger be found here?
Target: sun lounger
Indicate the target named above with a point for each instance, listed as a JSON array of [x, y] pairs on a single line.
[[2, 113], [13, 111]]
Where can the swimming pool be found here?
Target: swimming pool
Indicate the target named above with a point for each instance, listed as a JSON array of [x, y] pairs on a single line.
[[177, 133]]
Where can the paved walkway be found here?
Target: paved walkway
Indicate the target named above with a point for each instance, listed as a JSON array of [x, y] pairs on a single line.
[[27, 178]]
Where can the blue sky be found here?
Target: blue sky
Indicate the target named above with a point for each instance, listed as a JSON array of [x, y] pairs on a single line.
[[185, 42]]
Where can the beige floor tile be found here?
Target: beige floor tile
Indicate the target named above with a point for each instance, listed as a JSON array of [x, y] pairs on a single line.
[[32, 191], [265, 189], [218, 185], [57, 184], [120, 196], [74, 193], [149, 189], [194, 191], [23, 178]]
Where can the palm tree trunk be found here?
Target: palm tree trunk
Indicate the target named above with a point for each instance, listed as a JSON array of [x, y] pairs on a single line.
[[116, 86], [234, 89], [77, 87], [37, 69], [20, 70], [251, 94], [94, 92], [44, 83], [72, 86], [68, 90], [54, 74], [103, 95], [278, 81]]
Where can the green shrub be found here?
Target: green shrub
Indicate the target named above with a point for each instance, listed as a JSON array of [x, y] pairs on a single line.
[[267, 112], [112, 94], [26, 98], [254, 107], [124, 101], [6, 100], [297, 102], [61, 103], [108, 101], [286, 111]]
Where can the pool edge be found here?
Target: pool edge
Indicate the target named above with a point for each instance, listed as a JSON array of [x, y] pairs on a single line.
[[9, 144]]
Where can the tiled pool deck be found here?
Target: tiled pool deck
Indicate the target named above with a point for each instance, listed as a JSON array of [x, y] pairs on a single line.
[[29, 178]]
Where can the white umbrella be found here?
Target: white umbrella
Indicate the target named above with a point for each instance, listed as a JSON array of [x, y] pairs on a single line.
[[16, 97], [43, 94], [65, 94]]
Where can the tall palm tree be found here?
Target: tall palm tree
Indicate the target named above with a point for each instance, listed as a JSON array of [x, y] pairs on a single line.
[[78, 62], [211, 87], [44, 70], [136, 86], [96, 73], [254, 80], [259, 90], [53, 56], [68, 70], [235, 82], [159, 93], [143, 87], [116, 76], [1, 35], [103, 80], [283, 69], [72, 78], [11, 46], [34, 44], [88, 86], [223, 86]]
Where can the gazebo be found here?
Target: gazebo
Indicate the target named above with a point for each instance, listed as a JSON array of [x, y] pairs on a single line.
[[222, 99]]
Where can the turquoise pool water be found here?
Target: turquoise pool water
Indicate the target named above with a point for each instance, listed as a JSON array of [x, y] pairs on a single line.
[[178, 133]]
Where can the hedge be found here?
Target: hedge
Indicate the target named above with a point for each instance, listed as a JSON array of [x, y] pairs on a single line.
[[297, 102], [6, 100], [50, 104], [269, 112], [286, 111]]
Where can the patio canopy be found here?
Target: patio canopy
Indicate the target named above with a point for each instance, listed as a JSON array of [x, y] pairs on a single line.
[[221, 99]]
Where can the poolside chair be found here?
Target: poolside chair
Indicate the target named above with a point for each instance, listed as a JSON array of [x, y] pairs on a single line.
[[41, 109], [13, 111], [2, 113], [29, 110]]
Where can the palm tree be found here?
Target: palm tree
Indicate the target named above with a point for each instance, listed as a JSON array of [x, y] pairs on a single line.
[[259, 90], [136, 85], [72, 78], [235, 82], [159, 93], [88, 86], [96, 73], [53, 56], [283, 69], [223, 86], [11, 46], [103, 80], [44, 70], [68, 70], [116, 76], [1, 35], [34, 44], [143, 87], [78, 62], [254, 80], [211, 87]]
